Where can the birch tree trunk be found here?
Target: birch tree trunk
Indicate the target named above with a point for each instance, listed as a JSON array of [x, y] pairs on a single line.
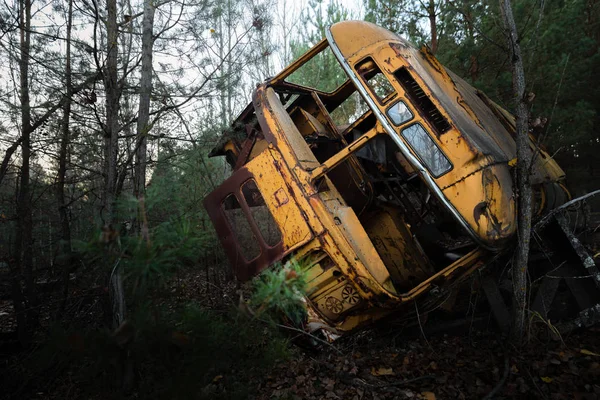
[[523, 184], [223, 72], [229, 69]]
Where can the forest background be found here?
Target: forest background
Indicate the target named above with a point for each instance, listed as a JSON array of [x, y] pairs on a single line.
[[108, 110]]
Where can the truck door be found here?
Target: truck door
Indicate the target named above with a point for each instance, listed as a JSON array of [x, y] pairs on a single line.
[[256, 216]]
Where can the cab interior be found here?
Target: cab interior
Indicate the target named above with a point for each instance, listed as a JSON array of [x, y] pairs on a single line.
[[412, 233]]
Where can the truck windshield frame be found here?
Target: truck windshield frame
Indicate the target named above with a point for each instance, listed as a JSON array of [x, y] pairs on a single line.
[[404, 148], [304, 70]]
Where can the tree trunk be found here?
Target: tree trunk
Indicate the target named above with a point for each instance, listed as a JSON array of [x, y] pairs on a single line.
[[112, 112], [223, 73], [229, 69], [433, 26], [116, 292], [65, 227], [519, 270], [24, 229], [145, 92]]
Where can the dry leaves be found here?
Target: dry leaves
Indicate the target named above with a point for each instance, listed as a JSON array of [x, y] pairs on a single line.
[[382, 371], [375, 369]]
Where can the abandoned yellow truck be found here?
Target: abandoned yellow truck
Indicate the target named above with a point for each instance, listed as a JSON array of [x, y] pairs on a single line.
[[391, 186]]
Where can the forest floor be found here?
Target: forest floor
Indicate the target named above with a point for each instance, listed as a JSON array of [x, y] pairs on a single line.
[[441, 367], [470, 362]]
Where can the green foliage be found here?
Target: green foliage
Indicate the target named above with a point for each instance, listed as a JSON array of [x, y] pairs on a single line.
[[180, 182], [278, 294], [186, 353], [174, 244], [404, 17], [180, 233], [323, 72]]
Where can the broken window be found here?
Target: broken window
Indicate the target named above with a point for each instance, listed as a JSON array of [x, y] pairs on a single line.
[[322, 73], [260, 214], [350, 110], [241, 228], [376, 80], [426, 149]]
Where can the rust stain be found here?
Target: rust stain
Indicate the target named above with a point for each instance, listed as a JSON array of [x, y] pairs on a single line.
[[281, 197], [370, 259]]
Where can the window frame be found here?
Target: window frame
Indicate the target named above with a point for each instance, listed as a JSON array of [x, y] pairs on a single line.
[[420, 157], [275, 225], [250, 220], [405, 102], [285, 81], [386, 99]]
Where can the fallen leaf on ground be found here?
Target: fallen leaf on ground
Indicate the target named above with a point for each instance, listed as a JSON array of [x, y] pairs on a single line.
[[589, 353], [427, 396], [329, 384], [381, 371]]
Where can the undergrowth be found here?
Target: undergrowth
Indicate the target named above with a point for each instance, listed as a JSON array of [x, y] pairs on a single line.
[[190, 353], [277, 294], [162, 352]]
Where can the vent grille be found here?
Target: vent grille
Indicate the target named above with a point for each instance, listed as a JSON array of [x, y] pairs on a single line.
[[421, 101]]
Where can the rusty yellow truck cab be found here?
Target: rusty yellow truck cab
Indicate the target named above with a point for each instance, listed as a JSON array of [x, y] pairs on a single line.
[[391, 181]]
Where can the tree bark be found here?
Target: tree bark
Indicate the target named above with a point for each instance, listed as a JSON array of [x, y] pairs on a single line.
[[63, 212], [112, 112], [7, 156], [24, 229], [433, 26], [524, 192], [143, 126], [111, 84]]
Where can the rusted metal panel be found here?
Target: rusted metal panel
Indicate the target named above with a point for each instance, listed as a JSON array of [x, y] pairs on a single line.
[[377, 224], [394, 243], [277, 187], [244, 269]]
